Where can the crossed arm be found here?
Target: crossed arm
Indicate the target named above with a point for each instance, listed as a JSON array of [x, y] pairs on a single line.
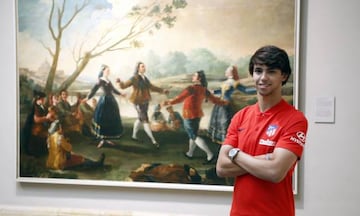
[[273, 169]]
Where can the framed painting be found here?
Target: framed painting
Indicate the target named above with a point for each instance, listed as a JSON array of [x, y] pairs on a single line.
[[80, 120]]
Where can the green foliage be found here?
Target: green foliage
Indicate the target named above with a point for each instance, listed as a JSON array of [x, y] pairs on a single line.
[[168, 9], [173, 64], [243, 66], [169, 21], [176, 63], [161, 14], [155, 10], [179, 4], [201, 59], [157, 25], [136, 9]]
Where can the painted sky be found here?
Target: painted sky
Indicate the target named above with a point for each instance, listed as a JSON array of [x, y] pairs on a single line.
[[229, 28]]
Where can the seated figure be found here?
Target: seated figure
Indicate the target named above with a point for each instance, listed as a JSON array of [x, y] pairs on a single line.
[[61, 156], [175, 121], [158, 121]]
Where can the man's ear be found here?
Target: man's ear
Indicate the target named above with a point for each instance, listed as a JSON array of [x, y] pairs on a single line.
[[285, 77]]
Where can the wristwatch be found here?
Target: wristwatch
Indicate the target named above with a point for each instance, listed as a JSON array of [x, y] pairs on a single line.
[[233, 152]]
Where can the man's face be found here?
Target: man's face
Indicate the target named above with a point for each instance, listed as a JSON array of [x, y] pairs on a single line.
[[195, 77], [40, 101], [267, 80], [142, 68], [64, 95]]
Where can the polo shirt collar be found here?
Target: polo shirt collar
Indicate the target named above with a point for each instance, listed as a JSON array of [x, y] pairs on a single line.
[[273, 110]]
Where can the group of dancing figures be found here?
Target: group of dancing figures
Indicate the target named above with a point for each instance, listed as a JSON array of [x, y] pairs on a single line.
[[106, 122]]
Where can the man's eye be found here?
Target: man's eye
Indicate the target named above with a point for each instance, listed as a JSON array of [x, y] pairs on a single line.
[[272, 71]]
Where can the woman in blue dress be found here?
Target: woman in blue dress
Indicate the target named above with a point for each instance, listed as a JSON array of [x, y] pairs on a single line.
[[107, 122], [221, 115]]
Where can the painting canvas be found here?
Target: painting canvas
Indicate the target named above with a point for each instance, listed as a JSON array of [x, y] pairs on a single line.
[[63, 48]]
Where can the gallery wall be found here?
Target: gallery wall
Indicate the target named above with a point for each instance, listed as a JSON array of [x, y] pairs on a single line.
[[328, 175]]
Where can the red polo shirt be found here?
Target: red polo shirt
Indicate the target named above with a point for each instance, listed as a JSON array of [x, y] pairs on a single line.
[[258, 133]]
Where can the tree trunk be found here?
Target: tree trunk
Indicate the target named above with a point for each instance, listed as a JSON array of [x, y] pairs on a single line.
[[67, 83]]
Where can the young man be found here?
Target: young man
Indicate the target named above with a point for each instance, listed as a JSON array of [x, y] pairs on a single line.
[[65, 113], [141, 97], [63, 106], [264, 142], [193, 97]]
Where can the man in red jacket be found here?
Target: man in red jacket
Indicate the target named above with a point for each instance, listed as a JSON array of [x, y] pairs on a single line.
[[193, 97]]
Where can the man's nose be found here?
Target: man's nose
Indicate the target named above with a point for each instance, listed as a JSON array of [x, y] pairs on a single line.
[[264, 75]]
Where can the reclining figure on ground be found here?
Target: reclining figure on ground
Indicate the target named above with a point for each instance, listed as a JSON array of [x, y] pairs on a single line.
[[166, 173]]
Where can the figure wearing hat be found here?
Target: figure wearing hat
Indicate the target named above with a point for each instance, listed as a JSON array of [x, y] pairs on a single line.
[[36, 125]]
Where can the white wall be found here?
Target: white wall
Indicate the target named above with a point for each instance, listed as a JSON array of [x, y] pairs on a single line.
[[330, 60], [329, 176]]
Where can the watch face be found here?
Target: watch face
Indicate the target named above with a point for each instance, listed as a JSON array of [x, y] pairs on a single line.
[[233, 152]]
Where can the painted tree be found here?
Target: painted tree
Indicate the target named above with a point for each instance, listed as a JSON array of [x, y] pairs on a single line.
[[141, 19]]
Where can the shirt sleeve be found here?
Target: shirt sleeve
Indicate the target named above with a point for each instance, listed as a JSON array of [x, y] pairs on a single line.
[[128, 83], [114, 90], [232, 132], [94, 89], [181, 97], [156, 89], [294, 135], [215, 100]]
